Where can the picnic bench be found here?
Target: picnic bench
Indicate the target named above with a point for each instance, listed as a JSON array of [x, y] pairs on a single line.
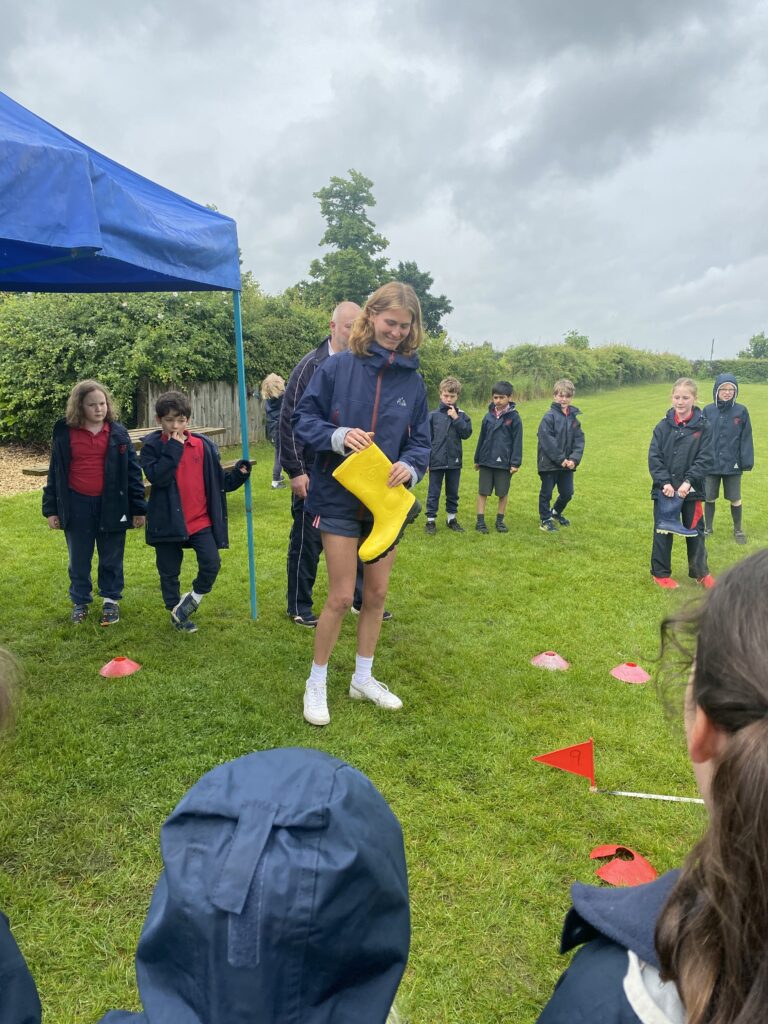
[[137, 435]]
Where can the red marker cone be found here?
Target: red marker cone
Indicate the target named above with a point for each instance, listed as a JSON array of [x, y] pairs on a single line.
[[119, 667], [578, 759], [629, 672], [550, 660], [628, 868]]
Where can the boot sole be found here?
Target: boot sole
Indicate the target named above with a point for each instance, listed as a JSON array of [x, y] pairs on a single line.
[[413, 513]]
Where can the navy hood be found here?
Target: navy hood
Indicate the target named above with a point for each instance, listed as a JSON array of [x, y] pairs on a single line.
[[724, 378], [284, 899], [380, 356], [627, 916]]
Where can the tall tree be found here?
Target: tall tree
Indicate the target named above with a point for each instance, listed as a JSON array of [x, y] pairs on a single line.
[[433, 307], [757, 347], [353, 270]]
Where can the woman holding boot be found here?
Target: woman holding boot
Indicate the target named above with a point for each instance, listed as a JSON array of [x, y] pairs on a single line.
[[370, 393]]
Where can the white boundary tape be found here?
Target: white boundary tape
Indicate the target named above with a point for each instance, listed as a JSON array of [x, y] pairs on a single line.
[[648, 796]]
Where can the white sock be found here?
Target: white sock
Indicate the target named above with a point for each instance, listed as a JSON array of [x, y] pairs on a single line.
[[318, 673], [197, 598], [430, 519], [451, 516], [109, 600], [363, 667]]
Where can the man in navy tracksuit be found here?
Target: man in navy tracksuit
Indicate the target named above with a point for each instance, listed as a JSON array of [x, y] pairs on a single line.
[[734, 452], [560, 450], [499, 453], [304, 543], [448, 427]]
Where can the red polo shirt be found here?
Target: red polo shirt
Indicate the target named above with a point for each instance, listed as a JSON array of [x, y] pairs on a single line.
[[191, 484], [88, 451]]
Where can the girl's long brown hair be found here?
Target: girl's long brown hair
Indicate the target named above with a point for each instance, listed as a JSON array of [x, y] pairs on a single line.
[[394, 295], [712, 936], [74, 414]]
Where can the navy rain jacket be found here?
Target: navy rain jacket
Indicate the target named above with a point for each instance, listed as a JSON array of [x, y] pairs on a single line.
[[272, 408], [165, 516], [500, 444], [446, 435], [283, 900], [731, 431], [380, 392], [19, 1002], [560, 437], [123, 495], [680, 452], [600, 986]]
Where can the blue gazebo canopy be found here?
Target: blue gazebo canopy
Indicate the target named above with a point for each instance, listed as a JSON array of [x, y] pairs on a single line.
[[72, 220]]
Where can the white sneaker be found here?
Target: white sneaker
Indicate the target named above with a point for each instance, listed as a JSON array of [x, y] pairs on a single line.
[[316, 704], [371, 689]]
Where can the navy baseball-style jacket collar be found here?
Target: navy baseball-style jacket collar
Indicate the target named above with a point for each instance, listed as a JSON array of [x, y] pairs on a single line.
[[626, 916], [283, 900]]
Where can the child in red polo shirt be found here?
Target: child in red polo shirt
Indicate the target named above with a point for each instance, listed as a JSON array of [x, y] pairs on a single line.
[[94, 494], [187, 504]]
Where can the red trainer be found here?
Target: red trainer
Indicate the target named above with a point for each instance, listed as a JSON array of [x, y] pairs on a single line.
[[667, 582], [707, 581]]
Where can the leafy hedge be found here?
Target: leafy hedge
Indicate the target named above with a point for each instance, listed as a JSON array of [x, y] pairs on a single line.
[[49, 342], [751, 371]]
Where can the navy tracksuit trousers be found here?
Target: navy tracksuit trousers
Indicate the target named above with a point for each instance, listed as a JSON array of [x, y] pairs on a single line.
[[83, 534], [169, 556], [436, 477], [563, 480], [661, 554]]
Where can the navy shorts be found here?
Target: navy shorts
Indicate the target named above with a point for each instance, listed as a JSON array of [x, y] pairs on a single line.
[[344, 527], [494, 479], [731, 487]]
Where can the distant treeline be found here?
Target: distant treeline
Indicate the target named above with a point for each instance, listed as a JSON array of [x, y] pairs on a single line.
[[48, 342]]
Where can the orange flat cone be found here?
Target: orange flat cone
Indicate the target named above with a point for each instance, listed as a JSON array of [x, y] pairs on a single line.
[[578, 759], [629, 672], [119, 667], [627, 868], [550, 660]]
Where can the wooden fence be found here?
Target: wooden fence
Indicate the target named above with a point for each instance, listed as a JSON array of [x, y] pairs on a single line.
[[214, 403]]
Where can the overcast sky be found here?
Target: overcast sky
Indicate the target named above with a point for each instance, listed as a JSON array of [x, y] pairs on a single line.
[[596, 165]]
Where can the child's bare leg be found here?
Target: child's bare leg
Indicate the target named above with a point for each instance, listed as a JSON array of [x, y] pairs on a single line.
[[481, 500], [341, 563], [375, 585], [503, 504]]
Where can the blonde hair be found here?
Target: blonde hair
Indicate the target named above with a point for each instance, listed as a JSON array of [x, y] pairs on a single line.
[[9, 675], [394, 295], [564, 387], [686, 382], [74, 413], [451, 384], [272, 386]]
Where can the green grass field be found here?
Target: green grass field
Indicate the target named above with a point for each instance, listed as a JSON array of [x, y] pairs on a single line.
[[493, 839]]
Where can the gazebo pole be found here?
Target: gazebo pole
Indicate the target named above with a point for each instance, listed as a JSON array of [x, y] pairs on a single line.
[[243, 398]]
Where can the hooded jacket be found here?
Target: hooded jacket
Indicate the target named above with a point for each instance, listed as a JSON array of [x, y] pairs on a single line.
[[381, 392], [295, 461], [123, 494], [560, 437], [734, 452], [613, 979], [19, 1002], [283, 899], [500, 444], [680, 452], [165, 516], [446, 435]]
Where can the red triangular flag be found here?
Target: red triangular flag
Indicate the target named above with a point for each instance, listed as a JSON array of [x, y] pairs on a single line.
[[578, 759]]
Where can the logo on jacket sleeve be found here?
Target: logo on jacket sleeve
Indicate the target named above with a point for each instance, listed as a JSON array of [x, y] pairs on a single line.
[[402, 401]]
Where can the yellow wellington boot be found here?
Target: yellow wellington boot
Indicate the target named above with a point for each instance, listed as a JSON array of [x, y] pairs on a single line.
[[365, 475]]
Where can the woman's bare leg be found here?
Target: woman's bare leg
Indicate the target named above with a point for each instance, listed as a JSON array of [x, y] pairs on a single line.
[[341, 563], [375, 586]]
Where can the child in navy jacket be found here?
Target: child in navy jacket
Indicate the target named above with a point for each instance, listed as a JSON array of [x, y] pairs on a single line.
[[187, 504], [448, 427], [94, 493], [498, 454], [679, 458], [561, 447], [733, 452]]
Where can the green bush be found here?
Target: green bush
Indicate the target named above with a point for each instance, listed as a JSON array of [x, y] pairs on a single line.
[[751, 371]]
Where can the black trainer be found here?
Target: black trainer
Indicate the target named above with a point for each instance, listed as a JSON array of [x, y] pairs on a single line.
[[430, 527], [187, 626], [548, 526], [187, 606], [79, 612], [455, 525], [481, 528], [560, 518], [309, 619], [740, 537], [110, 613], [501, 526], [387, 615]]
